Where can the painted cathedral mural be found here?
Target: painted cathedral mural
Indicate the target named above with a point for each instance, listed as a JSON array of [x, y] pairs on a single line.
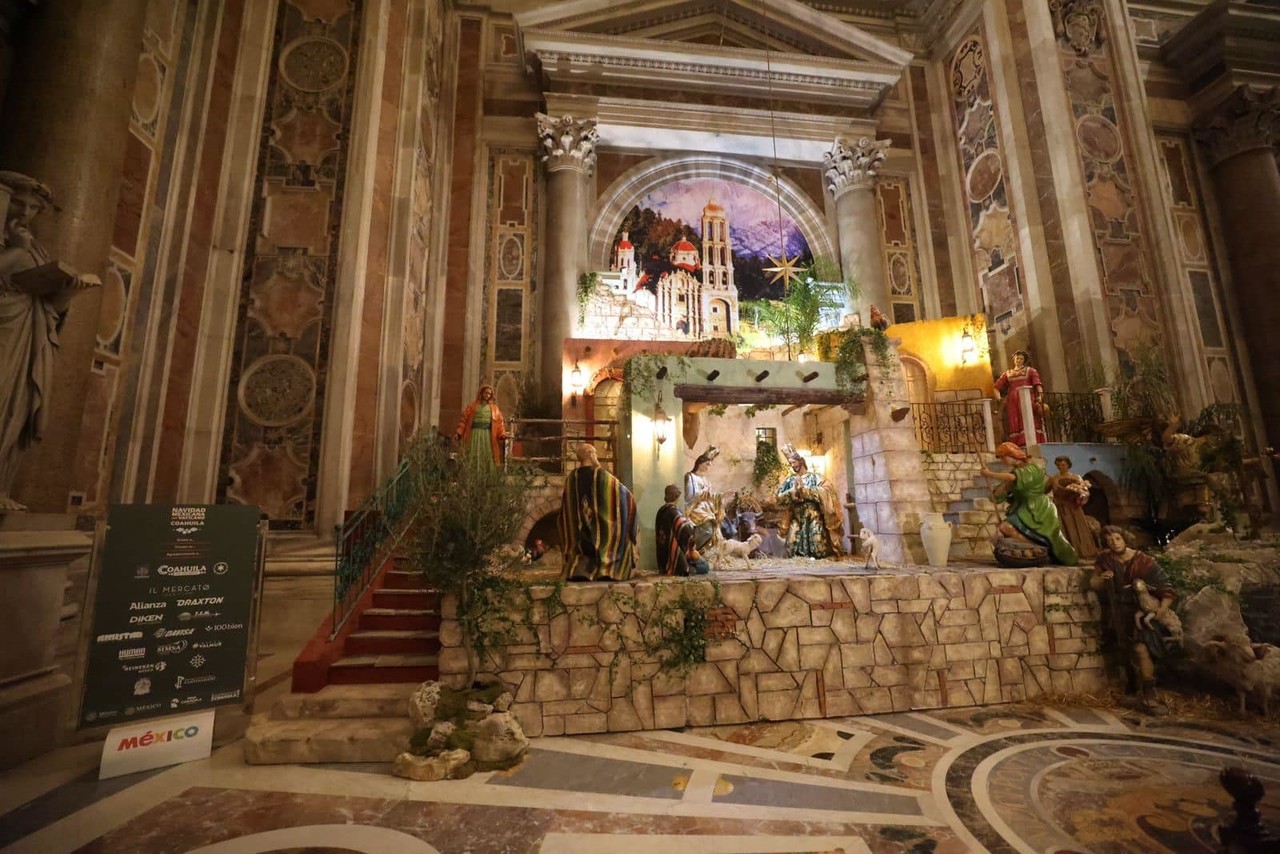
[[688, 255]]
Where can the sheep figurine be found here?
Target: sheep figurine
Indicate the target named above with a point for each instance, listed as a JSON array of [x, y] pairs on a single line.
[[1247, 667], [1149, 611], [870, 547]]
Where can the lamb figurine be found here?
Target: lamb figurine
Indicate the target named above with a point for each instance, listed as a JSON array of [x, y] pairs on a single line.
[[739, 548], [1150, 611], [1247, 667], [870, 547]]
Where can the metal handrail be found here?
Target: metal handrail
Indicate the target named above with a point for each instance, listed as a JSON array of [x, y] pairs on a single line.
[[952, 427], [548, 443], [1072, 417], [367, 537]]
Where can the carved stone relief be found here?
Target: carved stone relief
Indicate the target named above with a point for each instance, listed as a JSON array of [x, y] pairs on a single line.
[[853, 164], [1247, 120], [567, 143]]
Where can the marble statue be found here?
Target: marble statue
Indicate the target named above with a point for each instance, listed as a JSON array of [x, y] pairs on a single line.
[[35, 292], [815, 528], [1008, 384]]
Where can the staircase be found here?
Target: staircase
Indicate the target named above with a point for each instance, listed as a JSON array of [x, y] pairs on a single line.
[[973, 515], [350, 700], [396, 639]]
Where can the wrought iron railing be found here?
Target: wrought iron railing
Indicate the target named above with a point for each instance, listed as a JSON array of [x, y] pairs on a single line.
[[1072, 417], [367, 538], [954, 427]]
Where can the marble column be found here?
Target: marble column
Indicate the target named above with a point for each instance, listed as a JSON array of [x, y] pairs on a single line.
[[1240, 138], [569, 154], [851, 168], [66, 121]]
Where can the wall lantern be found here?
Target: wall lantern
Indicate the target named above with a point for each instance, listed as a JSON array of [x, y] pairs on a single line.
[[661, 423], [968, 349], [576, 384]]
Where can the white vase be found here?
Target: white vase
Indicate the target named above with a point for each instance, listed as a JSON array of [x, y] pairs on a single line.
[[935, 533]]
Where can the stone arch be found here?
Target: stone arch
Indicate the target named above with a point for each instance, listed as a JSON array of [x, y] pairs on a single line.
[[634, 184], [1112, 499], [543, 501]]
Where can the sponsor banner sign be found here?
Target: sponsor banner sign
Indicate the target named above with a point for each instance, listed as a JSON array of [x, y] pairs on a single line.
[[172, 612], [164, 741]]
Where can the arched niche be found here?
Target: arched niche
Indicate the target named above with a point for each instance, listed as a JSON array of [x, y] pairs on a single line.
[[636, 183]]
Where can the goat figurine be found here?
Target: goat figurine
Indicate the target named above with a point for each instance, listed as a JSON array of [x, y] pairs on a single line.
[[1149, 611], [870, 547]]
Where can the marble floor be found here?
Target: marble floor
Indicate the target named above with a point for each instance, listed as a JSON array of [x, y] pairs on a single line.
[[1022, 778]]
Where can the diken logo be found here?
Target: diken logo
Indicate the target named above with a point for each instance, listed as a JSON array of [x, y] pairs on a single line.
[[173, 633], [186, 569], [149, 737], [138, 619], [171, 648], [225, 695], [119, 636], [132, 652], [206, 644], [192, 603], [223, 627], [147, 606], [150, 667]]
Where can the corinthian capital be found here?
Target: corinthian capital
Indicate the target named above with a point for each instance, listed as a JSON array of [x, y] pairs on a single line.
[[1248, 119], [567, 143], [853, 165]]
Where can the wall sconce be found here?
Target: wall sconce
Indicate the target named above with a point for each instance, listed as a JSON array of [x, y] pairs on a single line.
[[661, 423], [576, 384], [968, 349]]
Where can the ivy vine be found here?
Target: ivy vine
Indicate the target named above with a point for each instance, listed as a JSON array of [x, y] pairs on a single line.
[[768, 463], [586, 292]]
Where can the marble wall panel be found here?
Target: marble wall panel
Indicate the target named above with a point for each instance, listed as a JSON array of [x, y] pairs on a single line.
[[511, 262], [185, 282], [467, 109], [1196, 260], [271, 445], [924, 144], [982, 166], [130, 279], [1087, 64], [900, 251]]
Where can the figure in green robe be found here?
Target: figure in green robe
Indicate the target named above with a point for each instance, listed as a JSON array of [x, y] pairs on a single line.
[[1031, 515]]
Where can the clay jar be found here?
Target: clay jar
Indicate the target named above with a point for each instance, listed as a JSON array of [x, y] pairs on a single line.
[[935, 533]]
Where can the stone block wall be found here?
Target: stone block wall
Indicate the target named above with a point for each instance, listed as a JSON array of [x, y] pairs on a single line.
[[954, 488], [793, 648]]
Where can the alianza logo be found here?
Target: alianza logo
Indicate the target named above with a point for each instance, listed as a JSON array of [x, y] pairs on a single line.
[[147, 606], [149, 738]]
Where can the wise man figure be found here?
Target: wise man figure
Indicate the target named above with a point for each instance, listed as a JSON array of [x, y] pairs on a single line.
[[1115, 570], [597, 522]]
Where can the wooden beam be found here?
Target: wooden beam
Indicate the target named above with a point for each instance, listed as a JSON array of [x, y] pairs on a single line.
[[791, 409], [696, 392]]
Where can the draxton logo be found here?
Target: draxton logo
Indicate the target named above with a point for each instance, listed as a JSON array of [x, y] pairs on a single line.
[[192, 603]]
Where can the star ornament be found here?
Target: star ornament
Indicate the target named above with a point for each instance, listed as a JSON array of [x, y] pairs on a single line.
[[783, 268]]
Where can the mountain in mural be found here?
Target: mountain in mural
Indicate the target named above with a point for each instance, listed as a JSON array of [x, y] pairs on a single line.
[[654, 235]]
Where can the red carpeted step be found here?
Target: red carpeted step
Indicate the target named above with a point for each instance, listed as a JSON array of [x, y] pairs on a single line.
[[392, 641], [383, 669], [398, 619], [399, 579], [412, 598]]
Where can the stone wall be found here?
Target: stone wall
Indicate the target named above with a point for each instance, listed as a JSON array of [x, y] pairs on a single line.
[[957, 492], [792, 648]]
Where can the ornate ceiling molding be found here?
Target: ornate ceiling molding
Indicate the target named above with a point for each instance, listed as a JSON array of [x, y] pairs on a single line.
[[1247, 121], [1228, 45]]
